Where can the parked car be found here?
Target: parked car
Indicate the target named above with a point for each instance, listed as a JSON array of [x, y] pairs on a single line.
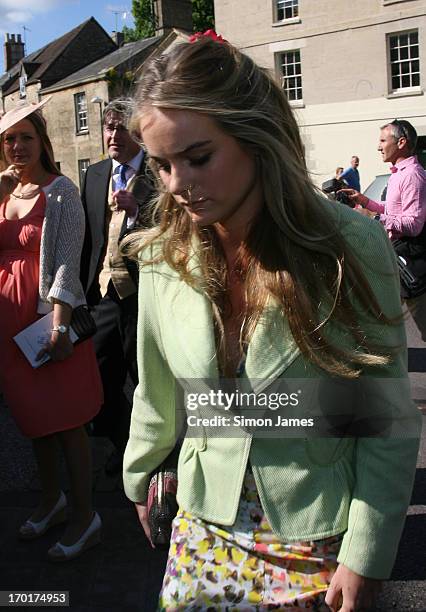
[[377, 189]]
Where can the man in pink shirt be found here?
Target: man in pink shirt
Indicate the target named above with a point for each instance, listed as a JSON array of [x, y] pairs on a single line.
[[403, 214]]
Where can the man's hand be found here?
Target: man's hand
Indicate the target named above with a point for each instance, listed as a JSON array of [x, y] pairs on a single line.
[[125, 200], [350, 592], [142, 511], [355, 196]]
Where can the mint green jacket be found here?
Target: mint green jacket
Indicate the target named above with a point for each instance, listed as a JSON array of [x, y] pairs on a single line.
[[309, 489]]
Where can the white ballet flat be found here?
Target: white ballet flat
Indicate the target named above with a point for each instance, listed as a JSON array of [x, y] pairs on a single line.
[[32, 529], [92, 536]]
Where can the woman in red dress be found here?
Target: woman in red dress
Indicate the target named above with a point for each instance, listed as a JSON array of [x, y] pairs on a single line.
[[41, 235]]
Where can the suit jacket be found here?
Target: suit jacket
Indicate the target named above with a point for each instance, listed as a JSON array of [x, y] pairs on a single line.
[[94, 196], [309, 488]]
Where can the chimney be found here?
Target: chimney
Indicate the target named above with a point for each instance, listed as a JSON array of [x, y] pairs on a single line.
[[171, 14], [14, 50], [118, 38]]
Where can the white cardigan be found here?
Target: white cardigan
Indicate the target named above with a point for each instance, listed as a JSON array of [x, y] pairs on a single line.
[[61, 243]]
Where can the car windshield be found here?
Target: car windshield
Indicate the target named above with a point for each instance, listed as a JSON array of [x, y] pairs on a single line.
[[376, 189]]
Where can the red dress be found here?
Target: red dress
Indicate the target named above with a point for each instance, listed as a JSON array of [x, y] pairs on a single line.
[[57, 396]]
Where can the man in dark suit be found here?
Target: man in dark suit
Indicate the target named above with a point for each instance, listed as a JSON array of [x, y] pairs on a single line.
[[115, 196]]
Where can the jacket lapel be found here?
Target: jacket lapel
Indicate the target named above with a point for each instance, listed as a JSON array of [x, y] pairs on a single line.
[[187, 317], [142, 190], [271, 350], [96, 203], [187, 323]]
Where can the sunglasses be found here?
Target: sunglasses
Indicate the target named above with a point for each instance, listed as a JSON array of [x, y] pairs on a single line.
[[401, 127]]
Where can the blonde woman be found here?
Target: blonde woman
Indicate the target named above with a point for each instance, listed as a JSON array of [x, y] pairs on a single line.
[[251, 274]]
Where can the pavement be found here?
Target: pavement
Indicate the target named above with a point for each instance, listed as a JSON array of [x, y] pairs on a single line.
[[124, 573]]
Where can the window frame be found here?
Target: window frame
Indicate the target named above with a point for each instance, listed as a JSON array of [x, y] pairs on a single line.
[[298, 101], [277, 20], [22, 86], [79, 128], [398, 91]]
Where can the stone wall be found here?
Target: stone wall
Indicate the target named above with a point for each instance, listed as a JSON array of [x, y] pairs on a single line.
[[346, 89], [68, 145]]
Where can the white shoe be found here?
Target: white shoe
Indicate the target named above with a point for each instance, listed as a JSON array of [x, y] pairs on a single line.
[[32, 529], [92, 536]]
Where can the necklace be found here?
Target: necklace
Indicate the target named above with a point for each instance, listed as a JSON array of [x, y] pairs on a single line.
[[26, 195]]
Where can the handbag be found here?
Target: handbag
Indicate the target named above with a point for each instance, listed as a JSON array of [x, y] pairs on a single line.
[[83, 323], [411, 259], [162, 505]]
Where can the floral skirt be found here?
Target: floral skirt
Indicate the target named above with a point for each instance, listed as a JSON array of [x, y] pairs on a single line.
[[244, 567]]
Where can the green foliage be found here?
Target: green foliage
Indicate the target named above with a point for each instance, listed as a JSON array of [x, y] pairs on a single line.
[[143, 14], [130, 34], [202, 15], [119, 84]]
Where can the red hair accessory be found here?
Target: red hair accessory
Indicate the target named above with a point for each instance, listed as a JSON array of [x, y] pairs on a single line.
[[209, 34]]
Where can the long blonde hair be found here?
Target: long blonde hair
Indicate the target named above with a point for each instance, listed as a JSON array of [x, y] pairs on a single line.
[[294, 252]]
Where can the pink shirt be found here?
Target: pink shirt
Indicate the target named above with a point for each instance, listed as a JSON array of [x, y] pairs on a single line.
[[404, 211]]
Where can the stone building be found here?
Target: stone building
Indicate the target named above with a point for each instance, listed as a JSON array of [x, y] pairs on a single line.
[[347, 68], [76, 130], [26, 77], [82, 71]]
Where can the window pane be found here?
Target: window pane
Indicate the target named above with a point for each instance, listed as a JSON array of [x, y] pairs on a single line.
[[286, 9], [81, 112], [414, 51], [394, 55], [404, 63], [291, 72], [405, 81], [403, 53]]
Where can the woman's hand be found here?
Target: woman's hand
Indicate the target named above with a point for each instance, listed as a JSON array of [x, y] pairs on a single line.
[[142, 511], [9, 179], [350, 592], [59, 348]]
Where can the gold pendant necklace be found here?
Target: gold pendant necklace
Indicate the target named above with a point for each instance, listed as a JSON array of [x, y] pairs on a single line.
[[26, 195]]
